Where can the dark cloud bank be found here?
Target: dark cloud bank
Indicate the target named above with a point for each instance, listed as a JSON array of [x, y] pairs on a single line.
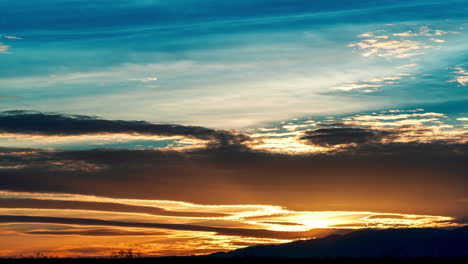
[[420, 178], [52, 124], [343, 135]]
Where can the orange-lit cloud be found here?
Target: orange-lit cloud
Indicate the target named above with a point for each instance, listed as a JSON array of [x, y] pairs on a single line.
[[298, 179], [231, 224]]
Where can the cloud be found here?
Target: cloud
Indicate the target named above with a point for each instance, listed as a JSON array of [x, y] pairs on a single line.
[[236, 193], [417, 127], [145, 80], [43, 159], [387, 217], [50, 124], [98, 206], [389, 48], [397, 45], [93, 232], [400, 177], [407, 66], [462, 119], [4, 48], [462, 77], [366, 35], [422, 31], [370, 83], [437, 40], [11, 37], [234, 176], [265, 217], [403, 126], [395, 117], [218, 230], [385, 79], [408, 145], [343, 135], [354, 86]]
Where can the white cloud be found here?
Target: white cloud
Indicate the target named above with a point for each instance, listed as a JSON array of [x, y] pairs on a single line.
[[294, 127], [407, 66], [408, 55], [4, 48], [398, 116], [366, 35], [385, 79], [11, 37], [370, 83], [462, 77], [398, 45], [354, 86], [145, 80], [422, 31], [389, 48], [437, 40]]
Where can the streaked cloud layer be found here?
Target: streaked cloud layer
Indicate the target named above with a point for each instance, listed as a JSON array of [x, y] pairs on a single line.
[[143, 194], [220, 125], [160, 219]]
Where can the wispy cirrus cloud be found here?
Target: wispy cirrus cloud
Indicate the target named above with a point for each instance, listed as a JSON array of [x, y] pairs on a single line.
[[462, 77], [390, 48], [421, 31], [11, 37], [370, 85], [407, 66], [4, 48], [437, 40], [398, 45], [354, 86], [262, 221], [145, 80]]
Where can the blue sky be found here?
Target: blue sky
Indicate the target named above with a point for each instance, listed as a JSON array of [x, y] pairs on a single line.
[[225, 65]]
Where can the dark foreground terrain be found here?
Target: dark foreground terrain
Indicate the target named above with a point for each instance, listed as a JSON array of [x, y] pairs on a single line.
[[418, 246], [206, 260], [362, 244]]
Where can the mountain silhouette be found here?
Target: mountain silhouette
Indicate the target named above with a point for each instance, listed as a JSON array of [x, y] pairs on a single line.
[[414, 242]]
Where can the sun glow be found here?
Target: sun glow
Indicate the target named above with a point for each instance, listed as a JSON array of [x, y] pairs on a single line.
[[177, 223]]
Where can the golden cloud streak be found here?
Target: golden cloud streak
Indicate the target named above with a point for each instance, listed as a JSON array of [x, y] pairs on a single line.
[[254, 216], [62, 239]]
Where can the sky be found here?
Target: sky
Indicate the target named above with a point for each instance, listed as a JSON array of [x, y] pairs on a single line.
[[189, 127]]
